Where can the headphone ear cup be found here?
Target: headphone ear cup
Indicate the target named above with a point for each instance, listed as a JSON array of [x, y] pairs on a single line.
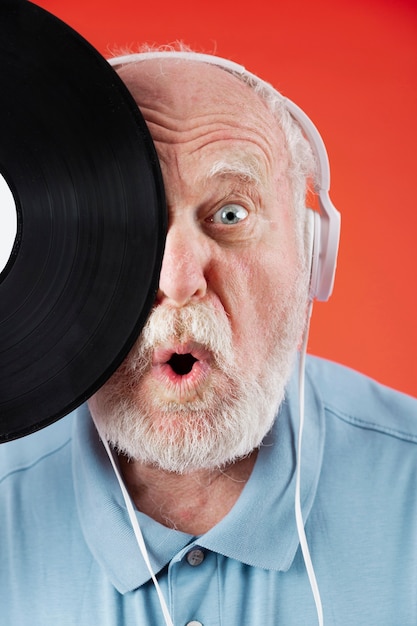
[[313, 228]]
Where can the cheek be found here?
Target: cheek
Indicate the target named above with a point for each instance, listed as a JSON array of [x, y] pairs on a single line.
[[252, 292]]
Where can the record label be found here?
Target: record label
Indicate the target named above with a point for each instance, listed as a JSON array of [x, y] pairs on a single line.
[[8, 224]]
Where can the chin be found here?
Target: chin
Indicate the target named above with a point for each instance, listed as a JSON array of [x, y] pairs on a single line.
[[207, 433]]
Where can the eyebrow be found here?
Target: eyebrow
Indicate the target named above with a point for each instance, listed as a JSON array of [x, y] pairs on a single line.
[[247, 170]]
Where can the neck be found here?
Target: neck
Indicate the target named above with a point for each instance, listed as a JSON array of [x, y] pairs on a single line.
[[193, 502]]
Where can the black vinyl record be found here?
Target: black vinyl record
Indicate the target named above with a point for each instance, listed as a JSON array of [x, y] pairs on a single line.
[[91, 219]]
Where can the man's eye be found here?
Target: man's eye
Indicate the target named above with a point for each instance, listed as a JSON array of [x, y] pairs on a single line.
[[230, 214]]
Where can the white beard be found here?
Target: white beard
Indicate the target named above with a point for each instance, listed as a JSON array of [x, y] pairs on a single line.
[[230, 416]]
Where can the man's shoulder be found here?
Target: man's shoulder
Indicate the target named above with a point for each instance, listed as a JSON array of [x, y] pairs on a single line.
[[22, 454], [361, 401]]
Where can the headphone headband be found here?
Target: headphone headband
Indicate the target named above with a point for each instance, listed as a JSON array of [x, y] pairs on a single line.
[[327, 223]]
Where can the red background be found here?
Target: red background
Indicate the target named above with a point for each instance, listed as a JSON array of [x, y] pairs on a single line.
[[351, 64]]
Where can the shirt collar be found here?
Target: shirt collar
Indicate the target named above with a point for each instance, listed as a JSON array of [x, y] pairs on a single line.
[[260, 529]]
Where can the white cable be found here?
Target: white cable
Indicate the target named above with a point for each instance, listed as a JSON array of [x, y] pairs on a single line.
[[136, 529], [297, 500]]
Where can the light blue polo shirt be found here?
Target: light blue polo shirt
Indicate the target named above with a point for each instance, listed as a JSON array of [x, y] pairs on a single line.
[[68, 556]]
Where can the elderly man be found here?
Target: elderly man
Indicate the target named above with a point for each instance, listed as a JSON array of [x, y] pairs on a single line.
[[202, 417]]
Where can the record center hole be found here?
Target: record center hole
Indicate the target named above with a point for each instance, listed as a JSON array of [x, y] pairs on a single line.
[[8, 223], [182, 364]]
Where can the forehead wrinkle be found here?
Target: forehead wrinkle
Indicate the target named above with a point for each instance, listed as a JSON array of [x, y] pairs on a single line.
[[246, 158], [167, 128], [178, 99]]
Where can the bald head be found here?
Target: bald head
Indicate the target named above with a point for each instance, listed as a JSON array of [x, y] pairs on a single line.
[[189, 98], [184, 86]]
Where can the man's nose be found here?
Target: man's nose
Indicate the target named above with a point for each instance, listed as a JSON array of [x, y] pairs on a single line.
[[182, 276]]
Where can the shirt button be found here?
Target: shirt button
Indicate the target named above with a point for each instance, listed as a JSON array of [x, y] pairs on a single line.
[[194, 558], [194, 623]]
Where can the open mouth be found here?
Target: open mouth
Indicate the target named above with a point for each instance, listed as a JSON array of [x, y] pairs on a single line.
[[182, 364], [182, 367]]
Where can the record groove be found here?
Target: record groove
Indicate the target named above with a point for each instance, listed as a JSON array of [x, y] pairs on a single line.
[[81, 164]]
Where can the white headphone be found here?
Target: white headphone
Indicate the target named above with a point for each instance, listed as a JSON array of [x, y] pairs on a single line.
[[323, 226]]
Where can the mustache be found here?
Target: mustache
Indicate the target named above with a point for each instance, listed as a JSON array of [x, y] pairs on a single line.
[[199, 322]]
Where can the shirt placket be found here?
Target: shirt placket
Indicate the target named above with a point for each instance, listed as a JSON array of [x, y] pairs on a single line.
[[194, 588]]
